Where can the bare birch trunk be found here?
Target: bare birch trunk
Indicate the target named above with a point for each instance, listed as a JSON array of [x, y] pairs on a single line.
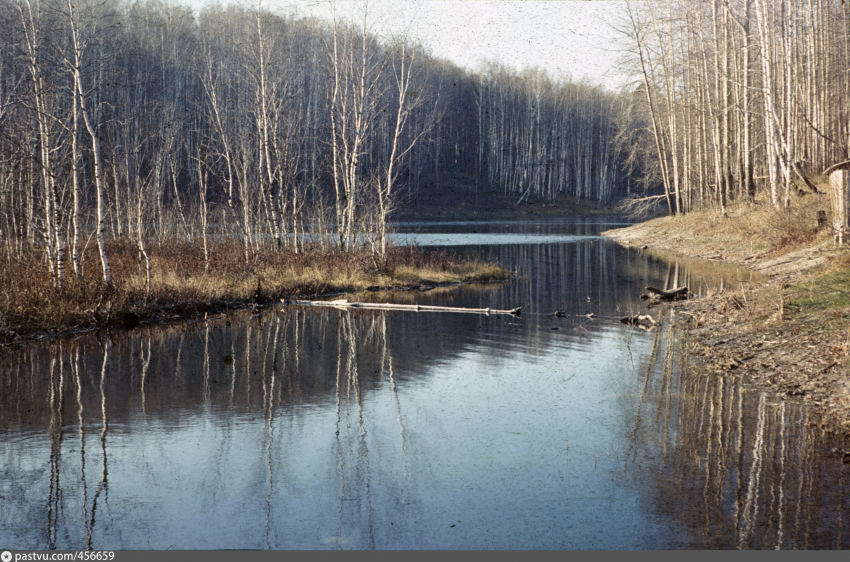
[[98, 165]]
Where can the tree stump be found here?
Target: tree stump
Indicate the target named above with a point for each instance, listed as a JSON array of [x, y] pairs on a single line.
[[839, 192]]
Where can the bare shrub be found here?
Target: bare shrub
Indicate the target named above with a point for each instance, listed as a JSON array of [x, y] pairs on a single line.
[[642, 207], [770, 229], [791, 226]]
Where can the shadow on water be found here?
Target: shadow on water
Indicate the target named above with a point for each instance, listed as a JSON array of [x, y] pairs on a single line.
[[319, 428]]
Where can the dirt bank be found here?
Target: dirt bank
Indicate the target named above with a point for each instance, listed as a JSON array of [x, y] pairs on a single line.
[[790, 333]]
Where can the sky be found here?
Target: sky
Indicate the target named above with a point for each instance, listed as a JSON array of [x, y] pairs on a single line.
[[566, 38]]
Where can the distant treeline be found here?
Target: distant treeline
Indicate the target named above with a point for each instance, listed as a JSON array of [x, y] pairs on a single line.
[[144, 119]]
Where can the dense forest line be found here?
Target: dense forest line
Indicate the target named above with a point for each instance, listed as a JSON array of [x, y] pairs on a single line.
[[140, 121], [144, 120], [741, 97]]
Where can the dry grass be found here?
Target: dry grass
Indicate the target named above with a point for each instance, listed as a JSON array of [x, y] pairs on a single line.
[[749, 229], [761, 236], [783, 229], [761, 228], [181, 286]]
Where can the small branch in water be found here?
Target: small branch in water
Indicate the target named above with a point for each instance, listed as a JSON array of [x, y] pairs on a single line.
[[562, 314]]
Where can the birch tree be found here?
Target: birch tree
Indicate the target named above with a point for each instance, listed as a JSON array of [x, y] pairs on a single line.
[[92, 123], [353, 111]]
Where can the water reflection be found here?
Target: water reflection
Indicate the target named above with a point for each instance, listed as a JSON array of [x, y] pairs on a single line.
[[739, 468], [320, 428]]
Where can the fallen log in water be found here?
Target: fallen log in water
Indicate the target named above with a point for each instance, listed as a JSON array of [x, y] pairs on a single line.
[[343, 303], [678, 294], [640, 320]]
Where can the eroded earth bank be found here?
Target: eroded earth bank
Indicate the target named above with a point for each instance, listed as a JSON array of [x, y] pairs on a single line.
[[789, 330]]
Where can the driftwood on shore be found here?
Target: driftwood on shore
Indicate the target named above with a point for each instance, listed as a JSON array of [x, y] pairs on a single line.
[[677, 294], [344, 304]]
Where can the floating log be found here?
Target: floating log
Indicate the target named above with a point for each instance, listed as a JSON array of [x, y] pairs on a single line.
[[678, 294], [344, 304]]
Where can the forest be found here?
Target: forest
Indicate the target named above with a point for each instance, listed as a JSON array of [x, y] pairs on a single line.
[[138, 123], [739, 98]]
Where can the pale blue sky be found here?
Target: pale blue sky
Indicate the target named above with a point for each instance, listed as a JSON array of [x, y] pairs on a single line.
[[563, 37]]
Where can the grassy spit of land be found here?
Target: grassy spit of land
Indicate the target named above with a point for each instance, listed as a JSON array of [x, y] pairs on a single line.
[[184, 286], [790, 333]]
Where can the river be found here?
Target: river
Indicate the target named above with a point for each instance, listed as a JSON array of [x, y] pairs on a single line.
[[309, 428]]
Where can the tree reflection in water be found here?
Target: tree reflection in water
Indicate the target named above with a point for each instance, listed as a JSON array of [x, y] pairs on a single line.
[[307, 428], [740, 468]]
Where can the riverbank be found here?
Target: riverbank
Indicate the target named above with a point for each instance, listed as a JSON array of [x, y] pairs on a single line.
[[790, 333], [184, 285]]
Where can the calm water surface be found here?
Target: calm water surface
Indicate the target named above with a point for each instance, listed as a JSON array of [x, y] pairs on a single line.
[[326, 429]]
